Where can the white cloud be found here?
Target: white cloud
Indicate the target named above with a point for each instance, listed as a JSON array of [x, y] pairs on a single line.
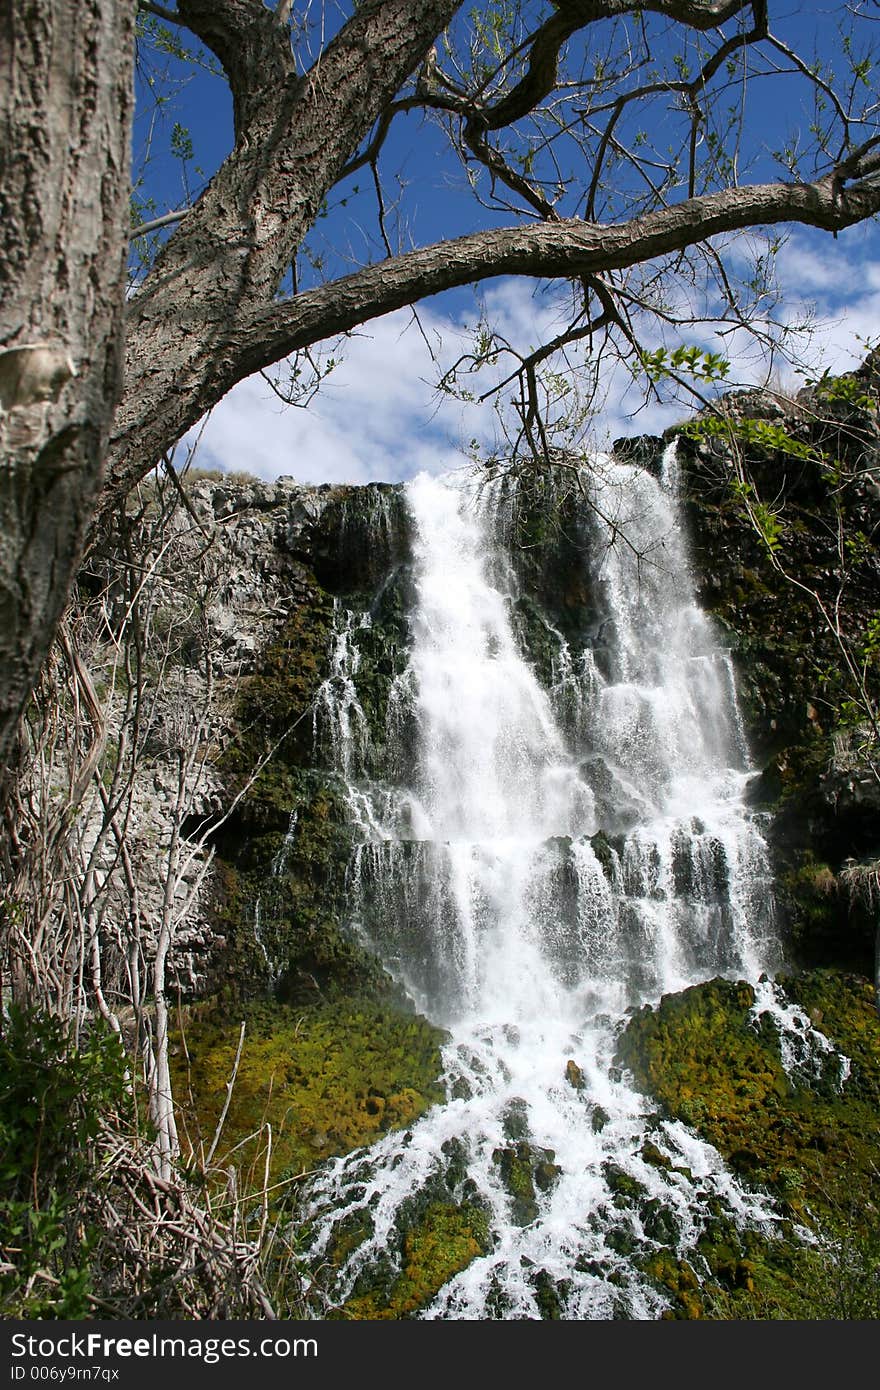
[[841, 337], [376, 416], [806, 270]]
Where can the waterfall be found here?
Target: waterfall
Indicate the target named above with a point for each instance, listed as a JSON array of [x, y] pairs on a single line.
[[279, 864], [556, 854]]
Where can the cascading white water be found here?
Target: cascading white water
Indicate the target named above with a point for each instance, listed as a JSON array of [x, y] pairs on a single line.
[[556, 856]]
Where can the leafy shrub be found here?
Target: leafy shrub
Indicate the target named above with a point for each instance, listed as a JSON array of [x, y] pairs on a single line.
[[53, 1096]]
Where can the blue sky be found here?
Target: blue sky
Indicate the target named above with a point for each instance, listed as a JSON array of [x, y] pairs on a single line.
[[378, 415]]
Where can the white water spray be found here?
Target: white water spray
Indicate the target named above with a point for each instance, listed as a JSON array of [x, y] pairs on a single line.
[[557, 856]]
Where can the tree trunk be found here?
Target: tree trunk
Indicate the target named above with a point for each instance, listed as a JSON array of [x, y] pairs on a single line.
[[224, 264], [65, 129]]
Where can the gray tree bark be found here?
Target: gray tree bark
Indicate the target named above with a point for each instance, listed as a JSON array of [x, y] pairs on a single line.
[[65, 119], [294, 136]]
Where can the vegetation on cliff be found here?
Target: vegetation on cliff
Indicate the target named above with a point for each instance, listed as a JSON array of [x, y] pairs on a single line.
[[784, 517], [805, 1129], [332, 1056], [325, 1079]]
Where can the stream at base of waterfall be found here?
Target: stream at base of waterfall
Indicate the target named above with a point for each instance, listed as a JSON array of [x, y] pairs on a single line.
[[552, 855]]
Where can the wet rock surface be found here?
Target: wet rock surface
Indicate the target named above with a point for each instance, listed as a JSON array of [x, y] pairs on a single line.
[[799, 619]]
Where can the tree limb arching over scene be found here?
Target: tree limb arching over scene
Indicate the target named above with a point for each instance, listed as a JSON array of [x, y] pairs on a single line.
[[599, 138]]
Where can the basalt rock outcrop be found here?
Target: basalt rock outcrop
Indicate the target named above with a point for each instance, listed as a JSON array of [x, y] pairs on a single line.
[[308, 588], [801, 615]]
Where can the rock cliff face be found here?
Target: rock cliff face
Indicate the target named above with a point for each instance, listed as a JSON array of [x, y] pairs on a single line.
[[305, 579], [307, 589], [245, 579], [221, 577], [801, 614], [280, 877]]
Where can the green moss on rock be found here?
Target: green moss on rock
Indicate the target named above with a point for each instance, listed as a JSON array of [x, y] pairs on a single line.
[[523, 1167], [280, 908], [274, 702], [443, 1242], [328, 1079], [814, 1144]]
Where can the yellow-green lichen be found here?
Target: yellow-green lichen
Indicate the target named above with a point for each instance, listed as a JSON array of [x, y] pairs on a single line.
[[444, 1242], [327, 1079], [814, 1143]]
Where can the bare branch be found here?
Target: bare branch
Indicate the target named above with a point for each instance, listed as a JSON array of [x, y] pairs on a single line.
[[499, 169], [166, 220], [689, 89], [230, 1087], [556, 249], [572, 15], [820, 82], [169, 16]]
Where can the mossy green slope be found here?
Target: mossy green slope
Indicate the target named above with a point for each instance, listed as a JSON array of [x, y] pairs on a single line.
[[328, 1079], [813, 1143]]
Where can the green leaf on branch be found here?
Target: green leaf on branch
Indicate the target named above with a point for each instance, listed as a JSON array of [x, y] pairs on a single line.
[[181, 142], [766, 435], [687, 359]]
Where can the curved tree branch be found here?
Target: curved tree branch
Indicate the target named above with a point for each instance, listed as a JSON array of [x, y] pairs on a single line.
[[252, 47], [551, 250], [208, 314], [297, 136], [569, 248]]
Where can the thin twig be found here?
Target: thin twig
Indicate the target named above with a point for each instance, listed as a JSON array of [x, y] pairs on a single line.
[[229, 1089]]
